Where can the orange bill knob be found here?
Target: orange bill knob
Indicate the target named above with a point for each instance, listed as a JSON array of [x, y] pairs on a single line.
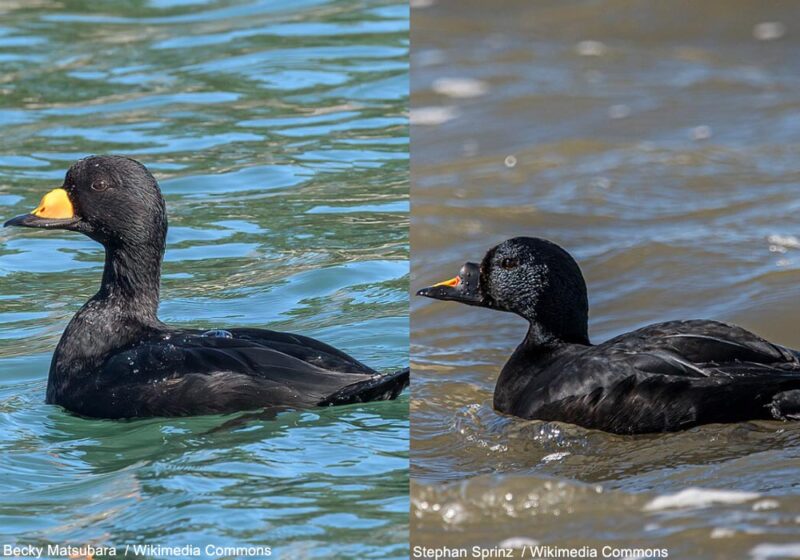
[[464, 288], [453, 282]]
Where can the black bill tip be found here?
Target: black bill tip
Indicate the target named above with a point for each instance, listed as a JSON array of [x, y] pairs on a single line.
[[33, 221]]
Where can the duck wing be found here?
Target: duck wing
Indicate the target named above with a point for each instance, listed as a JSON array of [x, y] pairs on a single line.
[[700, 348], [304, 348], [182, 374]]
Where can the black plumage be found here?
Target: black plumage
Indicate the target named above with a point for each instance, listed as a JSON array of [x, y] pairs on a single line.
[[663, 377], [116, 359]]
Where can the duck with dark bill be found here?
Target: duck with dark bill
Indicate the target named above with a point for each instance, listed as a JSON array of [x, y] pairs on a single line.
[[660, 378]]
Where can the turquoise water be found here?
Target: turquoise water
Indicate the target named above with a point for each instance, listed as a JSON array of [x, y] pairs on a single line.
[[278, 132]]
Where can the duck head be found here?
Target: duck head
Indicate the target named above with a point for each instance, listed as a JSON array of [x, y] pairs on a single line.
[[113, 199], [117, 202], [531, 277]]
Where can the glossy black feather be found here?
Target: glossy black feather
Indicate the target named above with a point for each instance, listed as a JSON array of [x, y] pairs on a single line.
[[183, 373], [664, 377]]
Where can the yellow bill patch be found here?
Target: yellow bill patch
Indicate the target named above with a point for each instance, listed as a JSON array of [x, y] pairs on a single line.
[[55, 206]]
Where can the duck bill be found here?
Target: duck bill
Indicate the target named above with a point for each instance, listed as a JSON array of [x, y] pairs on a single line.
[[55, 211], [464, 288]]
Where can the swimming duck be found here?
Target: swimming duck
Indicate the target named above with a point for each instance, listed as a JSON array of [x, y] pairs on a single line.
[[116, 359], [661, 378]]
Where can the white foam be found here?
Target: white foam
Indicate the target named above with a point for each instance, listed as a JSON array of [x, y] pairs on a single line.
[[783, 242], [432, 115], [765, 551], [517, 542], [555, 456], [769, 30], [591, 48], [619, 111], [702, 132], [698, 498], [763, 505], [460, 87], [454, 514], [722, 533]]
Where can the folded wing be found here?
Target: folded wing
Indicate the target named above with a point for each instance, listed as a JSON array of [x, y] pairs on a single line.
[[189, 374]]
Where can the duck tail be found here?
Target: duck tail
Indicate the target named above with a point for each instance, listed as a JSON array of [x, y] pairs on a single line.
[[379, 388], [786, 405]]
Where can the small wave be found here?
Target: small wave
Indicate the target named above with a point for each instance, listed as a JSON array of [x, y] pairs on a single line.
[[698, 498]]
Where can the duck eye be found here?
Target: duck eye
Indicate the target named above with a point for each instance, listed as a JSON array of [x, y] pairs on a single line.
[[100, 186], [508, 263]]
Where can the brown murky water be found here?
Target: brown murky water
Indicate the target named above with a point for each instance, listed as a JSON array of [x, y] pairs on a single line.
[[658, 143]]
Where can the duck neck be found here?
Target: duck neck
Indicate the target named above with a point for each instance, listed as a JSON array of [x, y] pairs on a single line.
[[543, 338], [539, 348], [131, 280], [122, 312]]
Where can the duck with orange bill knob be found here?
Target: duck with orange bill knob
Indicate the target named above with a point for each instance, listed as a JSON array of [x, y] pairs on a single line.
[[661, 378], [463, 288], [116, 359]]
